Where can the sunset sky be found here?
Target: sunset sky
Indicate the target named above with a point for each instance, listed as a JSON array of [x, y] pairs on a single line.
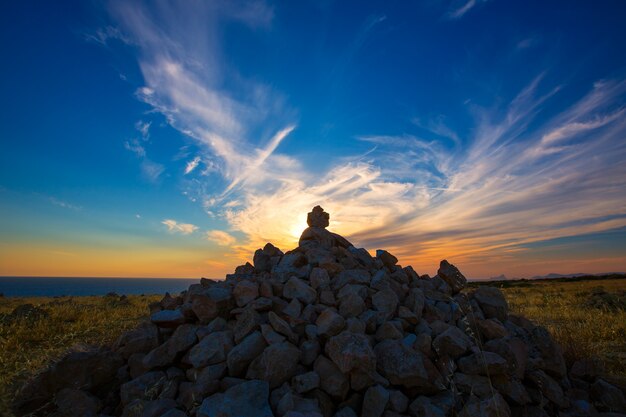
[[172, 139]]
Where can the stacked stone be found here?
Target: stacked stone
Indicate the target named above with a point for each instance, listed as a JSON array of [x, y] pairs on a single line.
[[328, 330]]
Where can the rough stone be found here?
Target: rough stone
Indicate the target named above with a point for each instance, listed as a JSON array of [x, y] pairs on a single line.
[[248, 399], [244, 353], [374, 401], [212, 349], [491, 302], [245, 291], [402, 365], [452, 342], [329, 323], [300, 290], [452, 276], [351, 350], [277, 364], [168, 318]]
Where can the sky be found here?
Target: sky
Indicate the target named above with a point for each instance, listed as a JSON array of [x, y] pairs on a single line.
[[173, 138]]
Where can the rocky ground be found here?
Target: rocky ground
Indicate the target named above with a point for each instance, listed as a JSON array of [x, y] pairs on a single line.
[[326, 330]]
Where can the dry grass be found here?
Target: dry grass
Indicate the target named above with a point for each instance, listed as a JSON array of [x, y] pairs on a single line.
[[28, 343], [587, 318]]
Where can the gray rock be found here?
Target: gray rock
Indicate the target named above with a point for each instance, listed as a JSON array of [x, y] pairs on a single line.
[[310, 350], [212, 349], [511, 388], [345, 412], [514, 350], [494, 406], [305, 382], [374, 401], [491, 329], [472, 384], [611, 397], [318, 217], [142, 339], [282, 327], [491, 302], [146, 387], [351, 350], [422, 406], [245, 291], [329, 323], [277, 364], [398, 401], [351, 306], [249, 399], [300, 290], [402, 365], [452, 342], [270, 335], [548, 387], [389, 330], [319, 278], [483, 363], [211, 303], [72, 402], [332, 380], [293, 309], [452, 276], [168, 318], [545, 353], [174, 413], [183, 338], [247, 322], [387, 259], [244, 353], [385, 301]]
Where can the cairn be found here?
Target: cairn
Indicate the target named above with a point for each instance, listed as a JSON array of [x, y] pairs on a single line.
[[326, 330]]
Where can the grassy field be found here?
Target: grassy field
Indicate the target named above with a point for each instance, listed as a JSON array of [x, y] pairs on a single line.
[[33, 337], [588, 318]]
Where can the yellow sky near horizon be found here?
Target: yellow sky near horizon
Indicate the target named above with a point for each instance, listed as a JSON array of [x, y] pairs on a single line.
[[172, 261]]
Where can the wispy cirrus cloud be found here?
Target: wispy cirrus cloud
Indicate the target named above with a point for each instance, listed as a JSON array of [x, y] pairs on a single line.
[[183, 228], [521, 175], [458, 9], [150, 170], [64, 204]]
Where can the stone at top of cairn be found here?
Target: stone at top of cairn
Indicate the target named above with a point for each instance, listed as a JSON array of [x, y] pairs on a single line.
[[318, 217]]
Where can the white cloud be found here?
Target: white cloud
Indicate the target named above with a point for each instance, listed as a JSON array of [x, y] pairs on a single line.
[[64, 204], [184, 228], [220, 237], [143, 128], [191, 165], [135, 147], [151, 170], [459, 10]]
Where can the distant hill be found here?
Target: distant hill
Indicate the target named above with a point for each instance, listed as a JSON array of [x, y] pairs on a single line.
[[553, 275]]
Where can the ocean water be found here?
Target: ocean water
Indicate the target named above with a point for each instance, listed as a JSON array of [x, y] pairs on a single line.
[[57, 286]]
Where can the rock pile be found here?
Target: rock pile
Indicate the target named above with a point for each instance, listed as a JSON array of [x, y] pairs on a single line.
[[326, 330]]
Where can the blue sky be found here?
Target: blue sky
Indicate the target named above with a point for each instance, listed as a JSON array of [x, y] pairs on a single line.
[[174, 138]]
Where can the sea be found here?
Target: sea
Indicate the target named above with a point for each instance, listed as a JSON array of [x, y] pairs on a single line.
[[59, 286]]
